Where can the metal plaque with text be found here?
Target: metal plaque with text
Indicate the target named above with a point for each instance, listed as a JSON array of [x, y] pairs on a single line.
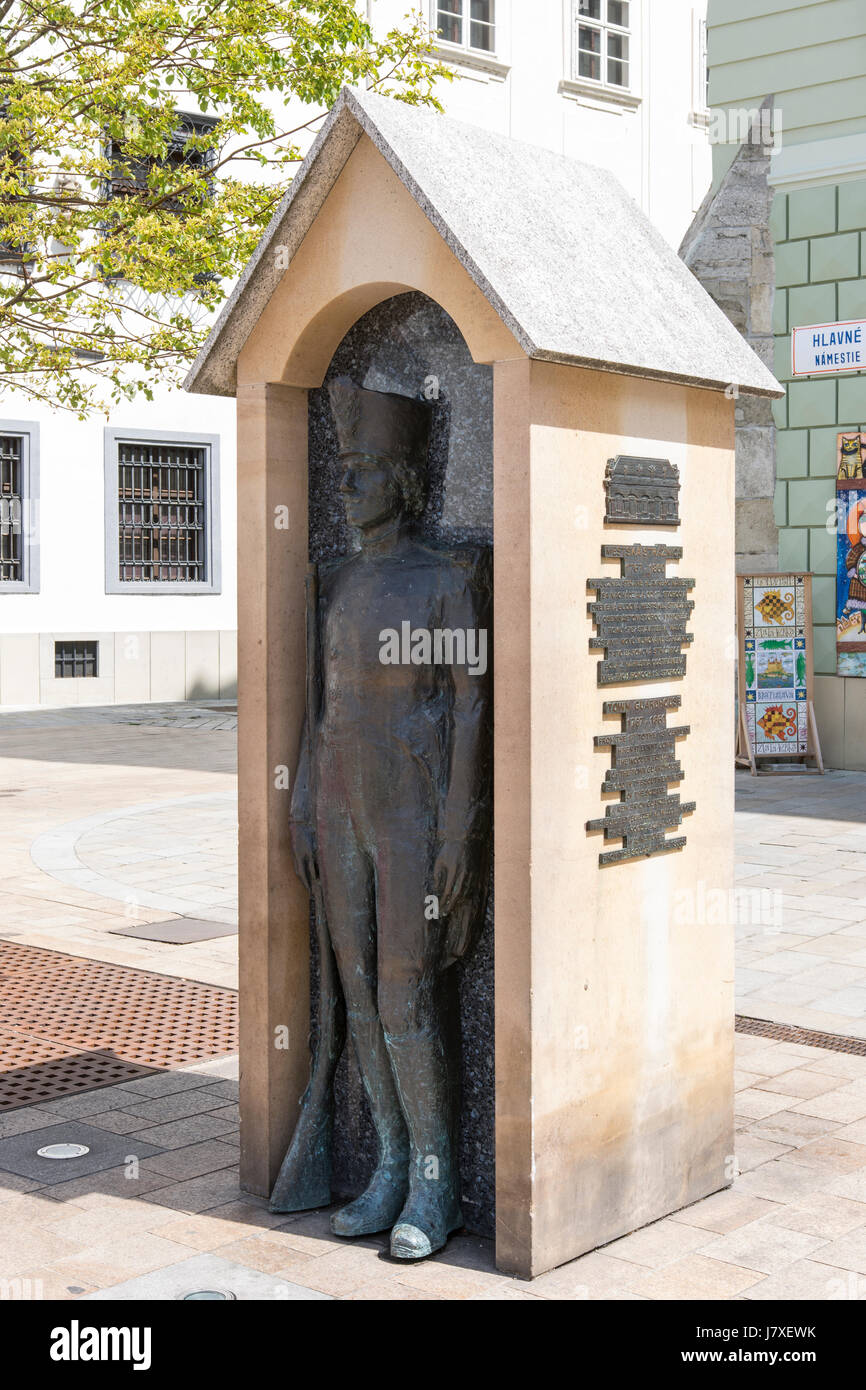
[[641, 616], [643, 764]]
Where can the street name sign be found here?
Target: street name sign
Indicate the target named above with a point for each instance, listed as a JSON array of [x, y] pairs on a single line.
[[821, 348]]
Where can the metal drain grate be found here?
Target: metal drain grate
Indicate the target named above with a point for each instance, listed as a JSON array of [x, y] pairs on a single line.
[[34, 1070], [71, 1025], [790, 1032]]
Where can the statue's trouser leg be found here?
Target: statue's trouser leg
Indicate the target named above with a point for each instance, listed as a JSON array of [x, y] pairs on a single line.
[[412, 1009], [432, 1208], [347, 884]]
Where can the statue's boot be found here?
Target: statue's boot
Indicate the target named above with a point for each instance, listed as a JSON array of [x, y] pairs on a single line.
[[380, 1203], [432, 1209]]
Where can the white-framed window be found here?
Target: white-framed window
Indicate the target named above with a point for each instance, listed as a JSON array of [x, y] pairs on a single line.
[[700, 113], [601, 42], [19, 507], [469, 24], [162, 517]]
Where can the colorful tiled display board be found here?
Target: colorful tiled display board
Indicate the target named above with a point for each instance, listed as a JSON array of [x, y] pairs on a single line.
[[774, 622]]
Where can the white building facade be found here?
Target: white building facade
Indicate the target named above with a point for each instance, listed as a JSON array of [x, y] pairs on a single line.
[[117, 537]]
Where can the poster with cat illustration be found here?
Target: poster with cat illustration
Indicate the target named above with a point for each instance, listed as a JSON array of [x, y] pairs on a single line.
[[851, 555]]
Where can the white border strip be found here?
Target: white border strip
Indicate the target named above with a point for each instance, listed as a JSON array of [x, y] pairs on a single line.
[[55, 854]]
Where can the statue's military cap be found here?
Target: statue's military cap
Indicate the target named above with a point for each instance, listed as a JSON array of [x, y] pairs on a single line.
[[380, 423]]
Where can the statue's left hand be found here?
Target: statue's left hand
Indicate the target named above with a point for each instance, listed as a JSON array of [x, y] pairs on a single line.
[[449, 873]]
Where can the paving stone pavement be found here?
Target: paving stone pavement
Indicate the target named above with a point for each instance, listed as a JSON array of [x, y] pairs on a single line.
[[117, 816], [126, 815], [801, 900], [130, 809], [792, 1225]]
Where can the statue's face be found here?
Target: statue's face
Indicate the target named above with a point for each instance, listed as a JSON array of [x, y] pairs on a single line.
[[371, 493]]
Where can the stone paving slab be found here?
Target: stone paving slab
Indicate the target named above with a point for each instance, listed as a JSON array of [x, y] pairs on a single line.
[[201, 1272], [178, 931], [18, 1154]]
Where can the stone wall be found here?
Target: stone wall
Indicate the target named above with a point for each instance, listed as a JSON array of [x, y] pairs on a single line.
[[729, 248], [133, 667]]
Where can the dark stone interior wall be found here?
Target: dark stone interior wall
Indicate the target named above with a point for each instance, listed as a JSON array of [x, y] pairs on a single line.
[[407, 344]]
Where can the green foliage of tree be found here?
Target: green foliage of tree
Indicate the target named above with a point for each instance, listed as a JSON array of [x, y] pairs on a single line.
[[118, 236]]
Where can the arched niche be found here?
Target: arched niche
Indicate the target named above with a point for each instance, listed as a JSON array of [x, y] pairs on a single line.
[[369, 242]]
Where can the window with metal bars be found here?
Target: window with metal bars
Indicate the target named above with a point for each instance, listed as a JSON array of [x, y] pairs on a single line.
[[19, 493], [16, 175], [129, 176], [161, 508], [11, 499], [75, 659]]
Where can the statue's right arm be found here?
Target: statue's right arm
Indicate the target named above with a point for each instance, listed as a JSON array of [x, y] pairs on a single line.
[[301, 807], [301, 820], [301, 816]]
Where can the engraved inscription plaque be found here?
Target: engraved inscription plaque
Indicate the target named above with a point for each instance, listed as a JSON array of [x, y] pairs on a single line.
[[643, 762], [641, 617], [642, 490]]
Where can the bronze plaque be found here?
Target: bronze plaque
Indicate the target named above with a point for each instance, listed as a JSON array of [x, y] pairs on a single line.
[[643, 762], [641, 617], [643, 491]]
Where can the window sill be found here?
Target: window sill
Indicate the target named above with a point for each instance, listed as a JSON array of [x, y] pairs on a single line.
[[170, 588], [482, 66], [595, 94]]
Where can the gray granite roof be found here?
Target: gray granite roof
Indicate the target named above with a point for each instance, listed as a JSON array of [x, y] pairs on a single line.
[[567, 259]]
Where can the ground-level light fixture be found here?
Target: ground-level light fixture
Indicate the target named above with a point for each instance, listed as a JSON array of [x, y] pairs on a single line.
[[207, 1296]]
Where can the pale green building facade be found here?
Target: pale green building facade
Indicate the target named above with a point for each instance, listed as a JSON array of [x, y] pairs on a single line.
[[810, 57]]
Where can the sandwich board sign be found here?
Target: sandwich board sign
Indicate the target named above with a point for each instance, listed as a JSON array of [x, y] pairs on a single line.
[[776, 728]]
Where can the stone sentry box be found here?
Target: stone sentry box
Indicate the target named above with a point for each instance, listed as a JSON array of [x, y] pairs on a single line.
[[612, 1002]]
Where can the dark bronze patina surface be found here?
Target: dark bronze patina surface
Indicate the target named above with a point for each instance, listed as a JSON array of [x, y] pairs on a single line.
[[642, 490], [641, 617], [644, 762], [390, 830]]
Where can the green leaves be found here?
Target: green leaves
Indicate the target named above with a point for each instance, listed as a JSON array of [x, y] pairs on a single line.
[[122, 225]]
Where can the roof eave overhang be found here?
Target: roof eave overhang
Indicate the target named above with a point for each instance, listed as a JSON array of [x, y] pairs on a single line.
[[214, 371]]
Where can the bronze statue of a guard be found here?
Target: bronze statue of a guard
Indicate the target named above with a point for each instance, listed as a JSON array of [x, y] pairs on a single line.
[[390, 827]]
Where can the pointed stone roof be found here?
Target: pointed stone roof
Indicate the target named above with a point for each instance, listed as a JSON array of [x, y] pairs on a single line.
[[567, 259]]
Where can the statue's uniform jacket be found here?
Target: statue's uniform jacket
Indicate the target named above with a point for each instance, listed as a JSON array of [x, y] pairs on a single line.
[[395, 767]]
